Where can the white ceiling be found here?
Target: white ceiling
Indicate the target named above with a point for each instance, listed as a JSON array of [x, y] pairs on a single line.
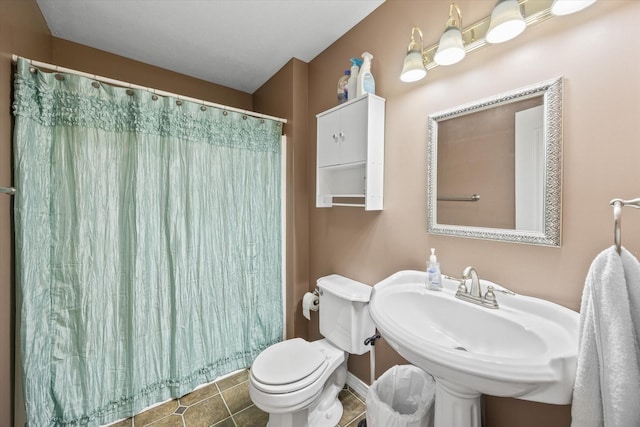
[[235, 43]]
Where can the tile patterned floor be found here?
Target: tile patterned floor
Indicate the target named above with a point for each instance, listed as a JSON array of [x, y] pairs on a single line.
[[226, 403]]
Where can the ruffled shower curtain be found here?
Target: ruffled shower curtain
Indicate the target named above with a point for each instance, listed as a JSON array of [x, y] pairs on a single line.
[[148, 245]]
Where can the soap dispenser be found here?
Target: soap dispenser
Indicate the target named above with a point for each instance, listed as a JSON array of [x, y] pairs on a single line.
[[434, 277]]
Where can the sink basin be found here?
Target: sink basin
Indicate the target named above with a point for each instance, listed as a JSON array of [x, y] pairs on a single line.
[[525, 349]]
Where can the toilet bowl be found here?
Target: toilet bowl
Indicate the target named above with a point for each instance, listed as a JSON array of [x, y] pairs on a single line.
[[296, 381]]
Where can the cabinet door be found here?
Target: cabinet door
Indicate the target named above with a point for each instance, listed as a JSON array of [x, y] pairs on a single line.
[[353, 128], [329, 139]]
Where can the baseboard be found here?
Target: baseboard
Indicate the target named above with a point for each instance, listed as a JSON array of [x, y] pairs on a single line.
[[357, 385]]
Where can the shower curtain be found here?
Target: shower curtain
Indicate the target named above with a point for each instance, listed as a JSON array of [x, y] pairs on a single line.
[[148, 245]]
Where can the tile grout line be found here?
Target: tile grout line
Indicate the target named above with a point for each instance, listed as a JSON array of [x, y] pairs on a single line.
[[357, 397], [242, 410], [245, 408], [225, 403], [231, 388]]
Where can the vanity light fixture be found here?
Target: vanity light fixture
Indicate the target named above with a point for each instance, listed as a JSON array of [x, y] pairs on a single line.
[[514, 14], [414, 66], [567, 7], [507, 22], [451, 47]]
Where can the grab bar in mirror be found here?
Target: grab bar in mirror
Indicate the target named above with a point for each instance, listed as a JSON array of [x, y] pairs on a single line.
[[618, 204], [471, 198]]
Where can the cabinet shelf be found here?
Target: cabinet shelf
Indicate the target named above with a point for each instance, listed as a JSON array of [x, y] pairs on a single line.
[[350, 153], [351, 205], [343, 166], [348, 196]]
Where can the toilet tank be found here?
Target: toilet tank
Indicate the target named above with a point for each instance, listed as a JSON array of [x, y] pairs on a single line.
[[344, 313]]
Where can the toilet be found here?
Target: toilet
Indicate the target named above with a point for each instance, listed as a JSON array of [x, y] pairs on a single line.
[[296, 381]]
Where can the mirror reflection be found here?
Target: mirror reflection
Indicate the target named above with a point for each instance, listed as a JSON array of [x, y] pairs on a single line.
[[494, 167]]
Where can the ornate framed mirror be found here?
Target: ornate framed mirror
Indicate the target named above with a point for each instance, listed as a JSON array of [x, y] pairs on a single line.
[[495, 167]]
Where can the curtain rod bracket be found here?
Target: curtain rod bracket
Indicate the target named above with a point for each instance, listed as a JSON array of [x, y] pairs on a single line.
[[8, 190]]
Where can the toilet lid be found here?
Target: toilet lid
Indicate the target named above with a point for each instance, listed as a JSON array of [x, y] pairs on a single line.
[[287, 362]]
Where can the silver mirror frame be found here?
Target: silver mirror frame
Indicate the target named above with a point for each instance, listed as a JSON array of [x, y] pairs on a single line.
[[552, 93]]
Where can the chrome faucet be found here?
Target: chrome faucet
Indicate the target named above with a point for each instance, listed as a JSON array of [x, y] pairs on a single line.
[[474, 292], [475, 282]]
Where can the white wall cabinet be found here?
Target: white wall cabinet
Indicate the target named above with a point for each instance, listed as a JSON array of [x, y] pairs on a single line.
[[350, 154]]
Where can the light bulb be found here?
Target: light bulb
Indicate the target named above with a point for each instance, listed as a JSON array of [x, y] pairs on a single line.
[[567, 7], [451, 47], [506, 22]]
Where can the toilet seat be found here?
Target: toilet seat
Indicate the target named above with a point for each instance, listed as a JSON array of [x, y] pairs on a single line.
[[296, 394], [289, 366]]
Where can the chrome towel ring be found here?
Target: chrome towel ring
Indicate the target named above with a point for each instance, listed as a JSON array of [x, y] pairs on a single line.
[[618, 204]]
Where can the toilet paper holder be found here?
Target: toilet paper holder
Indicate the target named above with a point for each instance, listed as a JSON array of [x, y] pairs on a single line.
[[311, 302], [317, 292]]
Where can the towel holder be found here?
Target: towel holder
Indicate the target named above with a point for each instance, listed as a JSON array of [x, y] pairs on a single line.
[[618, 204], [471, 198]]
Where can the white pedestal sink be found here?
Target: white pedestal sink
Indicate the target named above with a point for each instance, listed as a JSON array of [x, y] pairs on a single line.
[[525, 349]]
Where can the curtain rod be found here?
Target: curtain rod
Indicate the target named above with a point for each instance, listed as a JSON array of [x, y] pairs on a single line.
[[108, 80]]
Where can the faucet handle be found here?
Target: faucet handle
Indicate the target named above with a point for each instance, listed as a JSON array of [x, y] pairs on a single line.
[[490, 295], [490, 300], [462, 287]]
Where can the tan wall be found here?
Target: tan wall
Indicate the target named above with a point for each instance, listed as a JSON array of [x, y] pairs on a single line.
[[22, 31], [594, 51], [285, 95]]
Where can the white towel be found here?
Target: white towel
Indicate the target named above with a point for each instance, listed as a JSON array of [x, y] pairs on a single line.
[[607, 387]]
